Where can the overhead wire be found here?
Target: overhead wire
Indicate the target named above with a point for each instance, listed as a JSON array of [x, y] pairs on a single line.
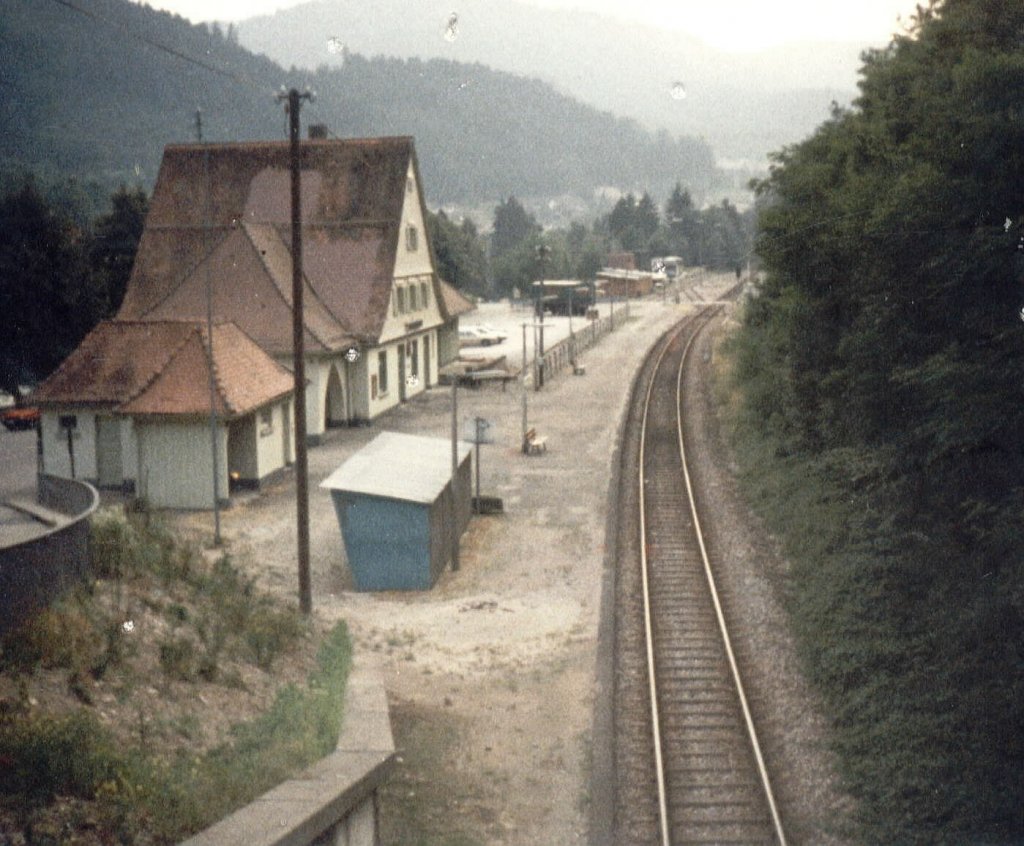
[[241, 80]]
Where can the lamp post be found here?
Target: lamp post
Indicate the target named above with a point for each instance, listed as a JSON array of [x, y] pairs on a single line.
[[543, 251]]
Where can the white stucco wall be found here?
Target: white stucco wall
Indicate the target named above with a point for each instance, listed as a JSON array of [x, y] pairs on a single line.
[[129, 450], [409, 262], [413, 269], [316, 388], [176, 466], [384, 400], [270, 442], [56, 459], [448, 340]]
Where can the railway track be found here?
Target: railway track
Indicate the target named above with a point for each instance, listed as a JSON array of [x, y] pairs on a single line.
[[689, 767]]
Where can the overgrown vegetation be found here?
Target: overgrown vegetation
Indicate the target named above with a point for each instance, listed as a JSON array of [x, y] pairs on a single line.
[[59, 275], [161, 627], [882, 422]]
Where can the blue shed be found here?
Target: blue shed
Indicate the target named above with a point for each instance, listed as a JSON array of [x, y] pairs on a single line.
[[395, 508]]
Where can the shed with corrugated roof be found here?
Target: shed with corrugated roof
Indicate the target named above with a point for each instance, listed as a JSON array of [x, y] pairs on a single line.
[[397, 508]]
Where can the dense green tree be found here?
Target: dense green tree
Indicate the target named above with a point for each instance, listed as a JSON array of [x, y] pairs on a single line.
[[513, 226], [48, 300], [115, 241], [585, 252], [517, 269], [886, 342], [632, 222], [682, 224], [459, 252]]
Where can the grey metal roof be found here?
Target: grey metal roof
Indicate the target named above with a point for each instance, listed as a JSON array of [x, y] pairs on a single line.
[[412, 468]]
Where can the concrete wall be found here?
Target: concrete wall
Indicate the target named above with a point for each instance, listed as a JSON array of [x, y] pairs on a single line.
[[34, 573], [335, 800]]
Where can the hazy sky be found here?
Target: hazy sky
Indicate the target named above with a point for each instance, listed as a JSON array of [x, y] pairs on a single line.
[[736, 24]]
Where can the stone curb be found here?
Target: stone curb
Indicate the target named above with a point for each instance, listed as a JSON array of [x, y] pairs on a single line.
[[300, 810]]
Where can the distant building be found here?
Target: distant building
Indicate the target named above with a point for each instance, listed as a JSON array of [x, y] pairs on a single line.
[[625, 284]]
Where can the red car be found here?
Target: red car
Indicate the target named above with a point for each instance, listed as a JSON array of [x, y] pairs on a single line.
[[19, 418]]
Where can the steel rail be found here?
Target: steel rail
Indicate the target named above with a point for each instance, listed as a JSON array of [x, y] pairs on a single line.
[[663, 811], [722, 627], [659, 764]]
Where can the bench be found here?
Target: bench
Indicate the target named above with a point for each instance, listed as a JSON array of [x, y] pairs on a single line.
[[534, 444], [475, 378]]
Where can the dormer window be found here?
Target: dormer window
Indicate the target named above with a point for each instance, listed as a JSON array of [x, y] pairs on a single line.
[[412, 238]]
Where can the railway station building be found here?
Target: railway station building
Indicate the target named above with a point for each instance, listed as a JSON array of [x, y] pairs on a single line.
[[379, 323]]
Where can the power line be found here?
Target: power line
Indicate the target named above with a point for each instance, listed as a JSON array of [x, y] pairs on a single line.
[[152, 42]]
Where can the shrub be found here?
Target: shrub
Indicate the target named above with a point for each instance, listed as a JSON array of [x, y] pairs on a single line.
[[270, 631], [44, 756], [179, 658]]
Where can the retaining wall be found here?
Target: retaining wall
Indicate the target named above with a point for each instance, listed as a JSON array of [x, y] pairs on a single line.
[[35, 572], [333, 802]]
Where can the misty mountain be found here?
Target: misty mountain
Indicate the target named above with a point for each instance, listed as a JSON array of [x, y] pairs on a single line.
[[745, 105], [94, 96]]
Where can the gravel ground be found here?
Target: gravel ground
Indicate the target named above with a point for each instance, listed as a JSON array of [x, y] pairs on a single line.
[[506, 647]]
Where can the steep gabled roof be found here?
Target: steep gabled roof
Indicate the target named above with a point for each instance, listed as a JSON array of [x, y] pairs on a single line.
[[453, 301], [207, 196], [163, 368]]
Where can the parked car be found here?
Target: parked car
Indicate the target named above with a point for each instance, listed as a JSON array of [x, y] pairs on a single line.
[[479, 336], [19, 418]]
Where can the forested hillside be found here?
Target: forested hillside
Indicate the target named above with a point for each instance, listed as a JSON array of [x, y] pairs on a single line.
[[745, 104], [881, 366], [96, 88]]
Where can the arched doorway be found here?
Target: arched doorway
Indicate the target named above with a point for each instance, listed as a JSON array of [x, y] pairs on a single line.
[[334, 405]]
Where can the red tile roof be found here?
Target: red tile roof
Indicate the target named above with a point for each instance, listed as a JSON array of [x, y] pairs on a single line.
[[163, 368], [232, 230]]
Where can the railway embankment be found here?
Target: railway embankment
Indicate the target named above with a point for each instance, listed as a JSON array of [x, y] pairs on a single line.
[[903, 629]]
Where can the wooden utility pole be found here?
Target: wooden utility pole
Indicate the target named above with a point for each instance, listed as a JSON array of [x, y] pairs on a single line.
[[207, 226], [455, 472], [294, 99]]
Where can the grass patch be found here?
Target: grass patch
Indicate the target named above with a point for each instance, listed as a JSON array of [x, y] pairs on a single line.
[[162, 634]]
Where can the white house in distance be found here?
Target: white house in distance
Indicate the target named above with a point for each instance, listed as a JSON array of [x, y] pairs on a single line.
[[378, 320], [130, 408]]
